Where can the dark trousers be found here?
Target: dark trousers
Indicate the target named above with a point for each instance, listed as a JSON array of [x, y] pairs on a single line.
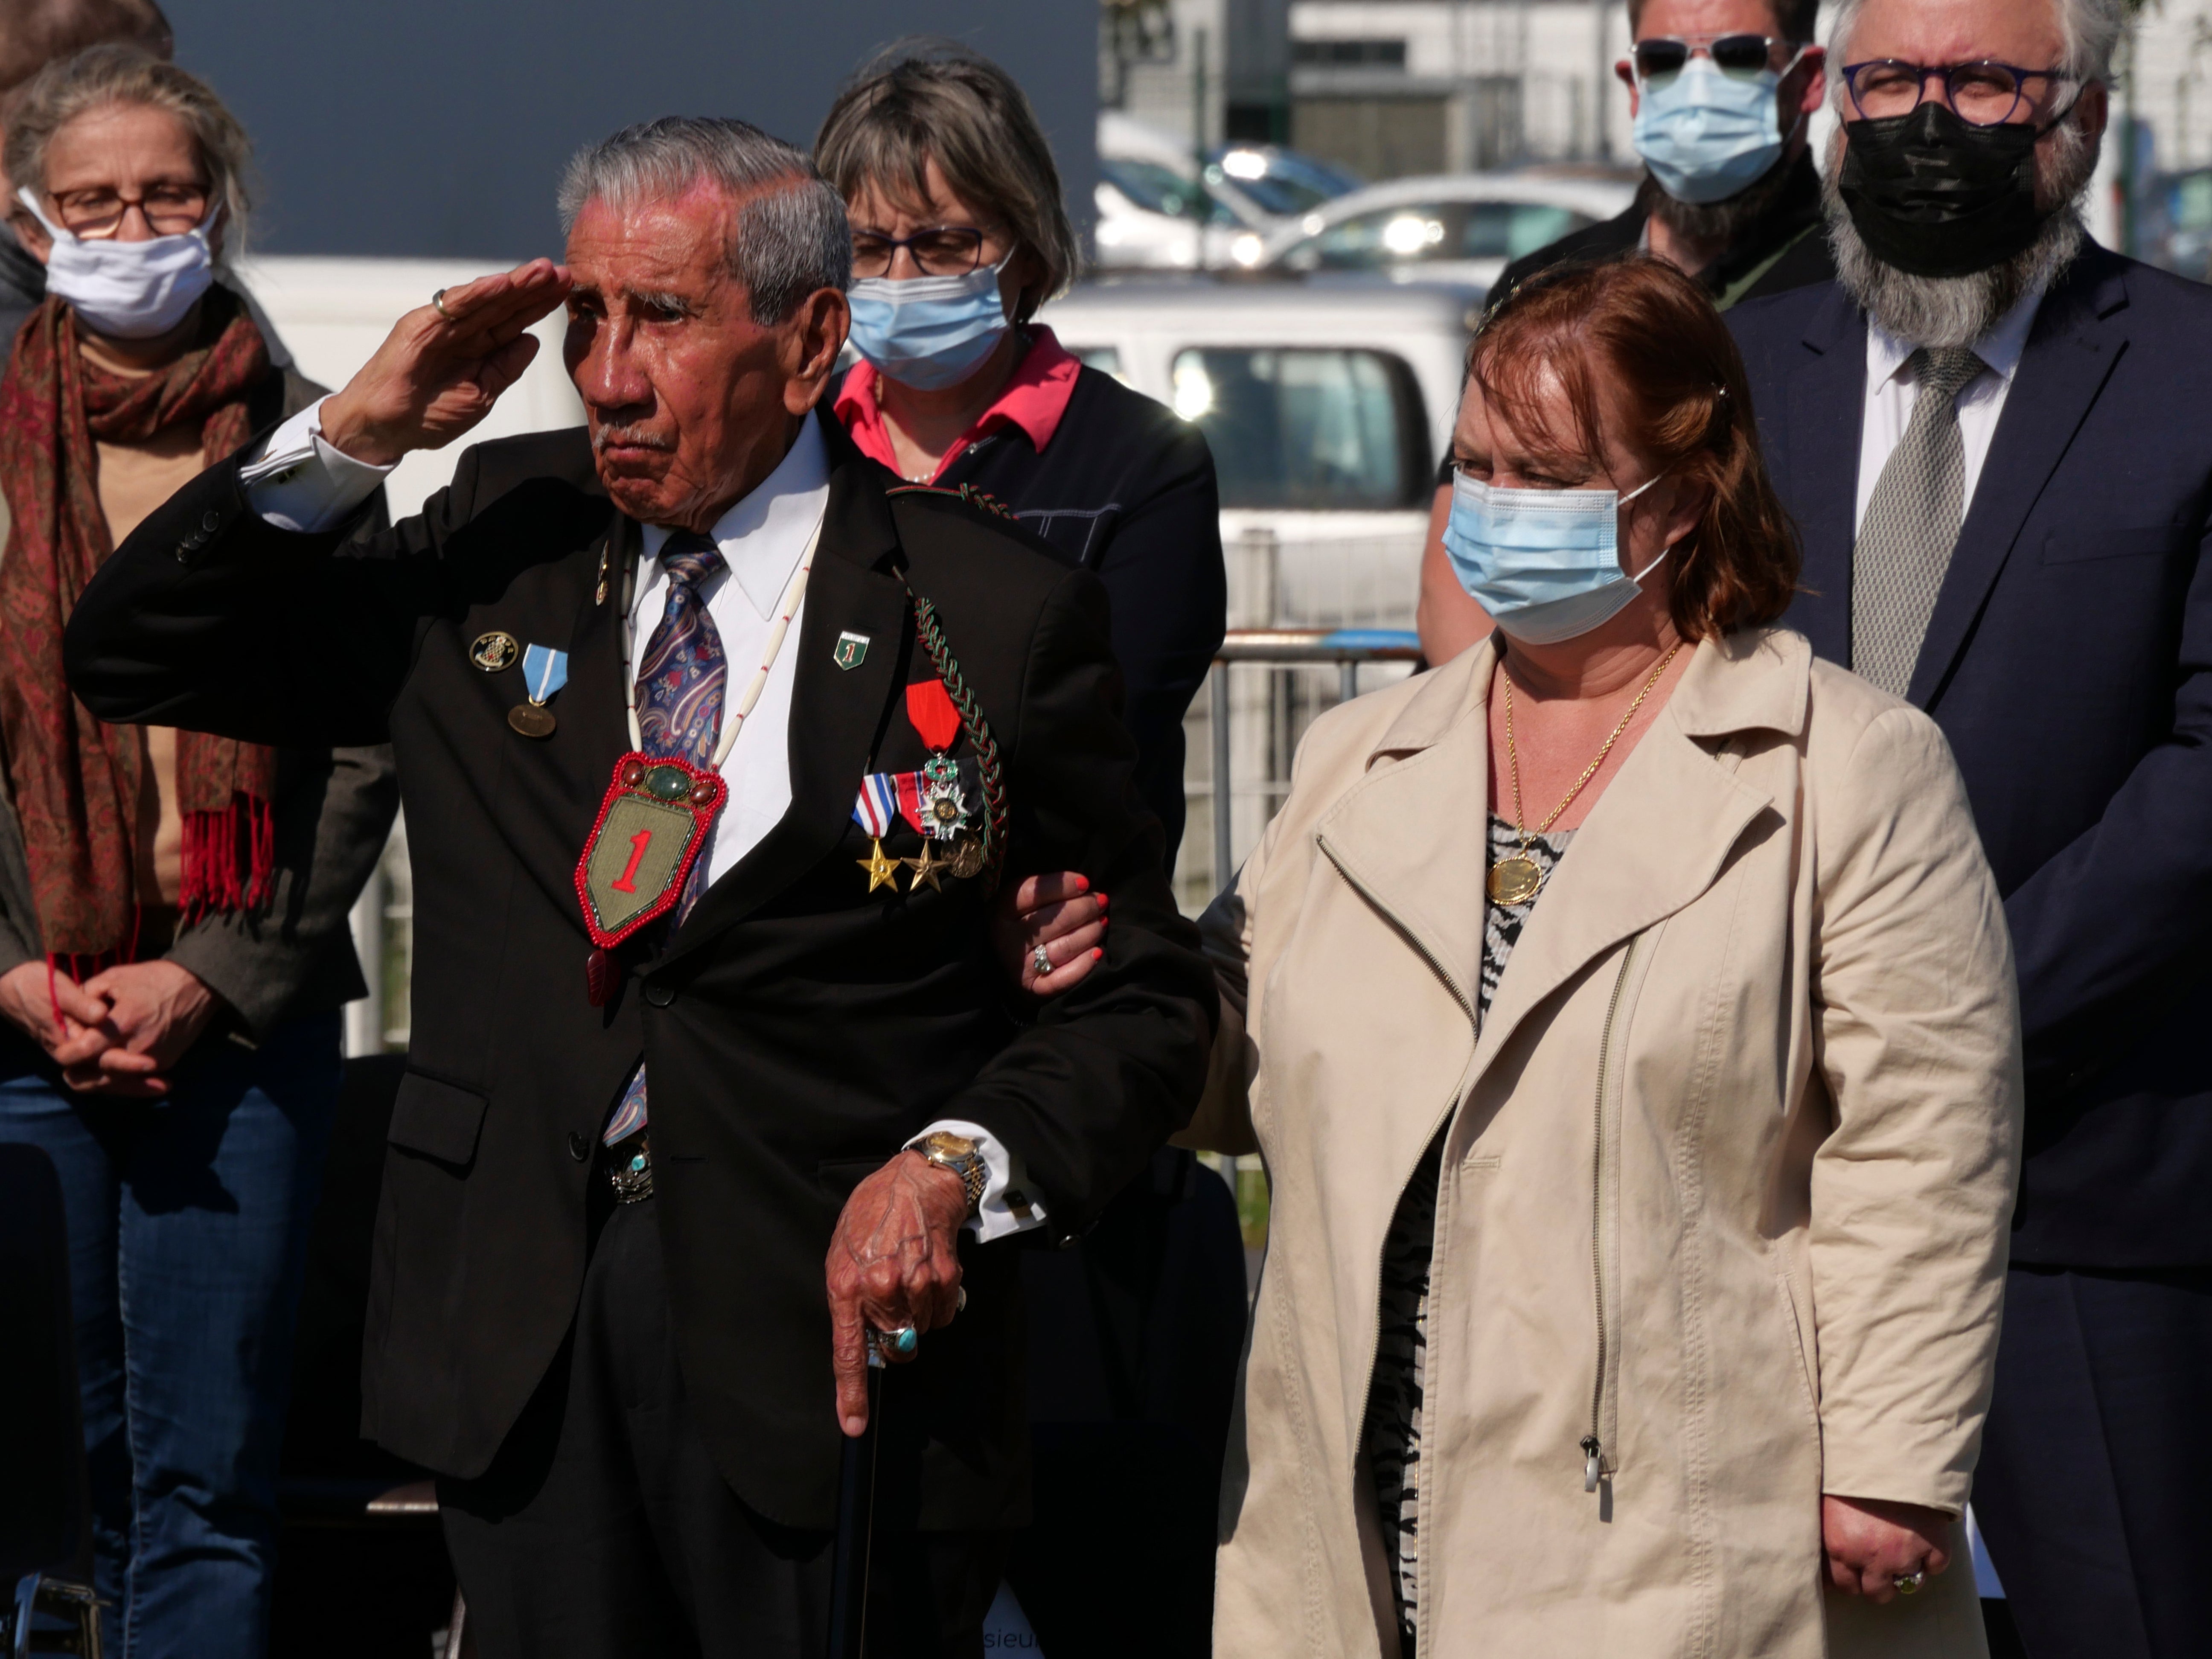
[[602, 1529], [188, 1224], [2095, 1469]]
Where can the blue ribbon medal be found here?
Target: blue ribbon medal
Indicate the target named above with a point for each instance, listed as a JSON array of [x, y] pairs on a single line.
[[544, 670]]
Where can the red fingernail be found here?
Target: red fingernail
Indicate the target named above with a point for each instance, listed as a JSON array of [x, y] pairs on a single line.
[[1095, 954], [1083, 884], [1103, 901]]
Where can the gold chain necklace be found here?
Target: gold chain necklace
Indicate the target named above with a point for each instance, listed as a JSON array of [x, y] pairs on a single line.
[[1517, 879]]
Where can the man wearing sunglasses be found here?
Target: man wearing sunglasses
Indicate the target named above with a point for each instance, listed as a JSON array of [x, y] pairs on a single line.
[[1987, 430], [1721, 92]]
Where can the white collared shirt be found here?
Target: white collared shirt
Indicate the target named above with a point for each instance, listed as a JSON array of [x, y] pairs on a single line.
[[1891, 392], [300, 482]]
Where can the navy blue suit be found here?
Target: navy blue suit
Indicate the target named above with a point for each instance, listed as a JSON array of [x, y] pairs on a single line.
[[2070, 663]]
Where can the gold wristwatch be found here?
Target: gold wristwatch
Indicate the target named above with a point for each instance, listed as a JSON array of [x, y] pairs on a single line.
[[958, 1154]]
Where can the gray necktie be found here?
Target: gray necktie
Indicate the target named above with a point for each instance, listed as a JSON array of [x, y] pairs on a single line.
[[1912, 525]]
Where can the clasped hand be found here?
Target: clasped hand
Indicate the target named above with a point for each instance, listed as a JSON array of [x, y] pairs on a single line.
[[119, 1031], [894, 1262]]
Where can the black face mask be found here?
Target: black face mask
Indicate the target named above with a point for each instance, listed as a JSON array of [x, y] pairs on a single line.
[[1934, 196]]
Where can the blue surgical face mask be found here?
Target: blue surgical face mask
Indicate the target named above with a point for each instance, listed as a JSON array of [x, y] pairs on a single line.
[[1544, 564], [1707, 135], [929, 332]]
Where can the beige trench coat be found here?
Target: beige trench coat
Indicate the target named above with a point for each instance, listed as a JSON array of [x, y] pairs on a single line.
[[1726, 1186]]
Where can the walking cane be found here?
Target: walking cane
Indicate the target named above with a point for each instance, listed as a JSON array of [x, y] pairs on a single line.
[[856, 1503]]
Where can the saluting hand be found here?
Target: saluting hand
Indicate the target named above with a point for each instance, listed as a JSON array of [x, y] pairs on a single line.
[[894, 1260], [444, 365]]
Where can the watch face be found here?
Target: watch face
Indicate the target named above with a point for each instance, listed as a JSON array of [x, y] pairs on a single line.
[[944, 1144]]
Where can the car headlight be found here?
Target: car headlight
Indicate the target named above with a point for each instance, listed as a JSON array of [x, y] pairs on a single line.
[[1247, 249]]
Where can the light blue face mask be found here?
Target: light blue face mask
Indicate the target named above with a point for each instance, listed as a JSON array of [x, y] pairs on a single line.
[[928, 333], [1544, 564], [1707, 135]]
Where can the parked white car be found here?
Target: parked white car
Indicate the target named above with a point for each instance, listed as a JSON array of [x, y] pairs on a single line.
[[1326, 411], [1455, 227], [1159, 211]]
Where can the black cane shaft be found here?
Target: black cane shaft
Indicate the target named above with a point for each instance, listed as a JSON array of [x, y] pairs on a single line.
[[856, 1497]]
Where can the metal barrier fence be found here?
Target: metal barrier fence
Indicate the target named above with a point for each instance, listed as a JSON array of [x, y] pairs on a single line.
[[1284, 647]]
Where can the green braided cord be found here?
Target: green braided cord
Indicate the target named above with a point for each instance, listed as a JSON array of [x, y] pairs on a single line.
[[979, 734]]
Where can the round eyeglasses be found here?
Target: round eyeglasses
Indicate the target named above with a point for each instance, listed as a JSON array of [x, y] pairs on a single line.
[[1984, 94], [1659, 59], [171, 209], [937, 250]]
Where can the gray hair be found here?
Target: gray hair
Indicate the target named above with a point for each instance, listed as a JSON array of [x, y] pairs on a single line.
[[925, 100], [2091, 29], [791, 237], [100, 77]]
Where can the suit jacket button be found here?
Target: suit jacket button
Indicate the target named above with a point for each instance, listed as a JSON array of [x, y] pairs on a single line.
[[211, 520], [578, 1148], [659, 993]]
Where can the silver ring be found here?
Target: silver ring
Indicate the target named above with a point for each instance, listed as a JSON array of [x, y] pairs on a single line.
[[904, 1340], [439, 300], [1041, 959], [1910, 1583], [960, 1305]]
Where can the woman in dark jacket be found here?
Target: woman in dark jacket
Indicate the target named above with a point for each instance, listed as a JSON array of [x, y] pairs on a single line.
[[174, 940], [958, 236]]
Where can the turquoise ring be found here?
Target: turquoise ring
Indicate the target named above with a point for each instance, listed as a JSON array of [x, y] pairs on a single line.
[[905, 1341]]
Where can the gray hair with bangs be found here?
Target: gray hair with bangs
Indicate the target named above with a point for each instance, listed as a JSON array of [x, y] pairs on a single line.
[[925, 100], [791, 238], [104, 76]]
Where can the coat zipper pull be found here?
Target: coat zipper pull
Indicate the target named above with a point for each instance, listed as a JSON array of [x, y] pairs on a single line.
[[1592, 1461]]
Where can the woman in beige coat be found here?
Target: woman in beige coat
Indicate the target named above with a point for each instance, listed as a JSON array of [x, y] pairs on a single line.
[[1640, 1182]]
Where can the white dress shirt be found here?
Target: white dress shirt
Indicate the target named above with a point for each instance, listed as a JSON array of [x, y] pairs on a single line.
[[300, 482], [1892, 391]]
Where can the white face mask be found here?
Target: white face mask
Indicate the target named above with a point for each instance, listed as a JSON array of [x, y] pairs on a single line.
[[127, 290]]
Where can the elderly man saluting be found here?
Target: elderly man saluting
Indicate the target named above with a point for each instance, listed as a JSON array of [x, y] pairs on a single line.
[[1987, 430], [716, 742]]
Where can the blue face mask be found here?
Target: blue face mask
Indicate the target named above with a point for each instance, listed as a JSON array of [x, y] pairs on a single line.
[[1544, 564], [1707, 135], [928, 333]]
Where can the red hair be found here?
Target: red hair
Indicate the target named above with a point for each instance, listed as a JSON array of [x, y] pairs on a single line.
[[1638, 327]]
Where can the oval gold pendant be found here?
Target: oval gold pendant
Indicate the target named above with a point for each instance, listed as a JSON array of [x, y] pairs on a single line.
[[532, 719], [1514, 880]]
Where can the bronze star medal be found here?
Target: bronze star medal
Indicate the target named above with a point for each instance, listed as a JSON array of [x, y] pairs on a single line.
[[929, 867]]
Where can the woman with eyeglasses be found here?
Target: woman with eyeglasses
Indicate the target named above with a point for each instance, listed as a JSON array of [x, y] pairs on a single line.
[[959, 235], [173, 939]]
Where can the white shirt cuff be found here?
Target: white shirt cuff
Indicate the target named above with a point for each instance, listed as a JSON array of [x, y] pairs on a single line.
[[1010, 1204], [300, 482]]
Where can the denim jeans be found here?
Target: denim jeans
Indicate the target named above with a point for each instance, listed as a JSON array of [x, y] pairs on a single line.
[[188, 1222]]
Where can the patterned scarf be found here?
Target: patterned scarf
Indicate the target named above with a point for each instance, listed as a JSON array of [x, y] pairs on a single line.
[[77, 782]]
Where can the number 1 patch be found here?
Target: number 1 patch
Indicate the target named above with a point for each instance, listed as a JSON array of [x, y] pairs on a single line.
[[651, 826]]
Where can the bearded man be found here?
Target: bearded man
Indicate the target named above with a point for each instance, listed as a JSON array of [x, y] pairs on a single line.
[[1984, 428]]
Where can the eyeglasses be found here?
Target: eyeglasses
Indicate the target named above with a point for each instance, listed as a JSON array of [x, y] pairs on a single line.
[[937, 250], [170, 210], [1741, 57], [1984, 95]]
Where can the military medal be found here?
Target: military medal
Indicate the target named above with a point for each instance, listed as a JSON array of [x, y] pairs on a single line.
[[654, 821], [967, 857], [544, 670], [494, 650], [872, 811]]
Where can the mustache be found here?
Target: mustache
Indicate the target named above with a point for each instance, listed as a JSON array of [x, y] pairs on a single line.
[[629, 437]]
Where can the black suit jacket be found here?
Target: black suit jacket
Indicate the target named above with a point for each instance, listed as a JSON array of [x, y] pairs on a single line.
[[796, 1029], [2070, 663]]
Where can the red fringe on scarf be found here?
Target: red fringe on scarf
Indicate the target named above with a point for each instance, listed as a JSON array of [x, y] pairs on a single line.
[[230, 859]]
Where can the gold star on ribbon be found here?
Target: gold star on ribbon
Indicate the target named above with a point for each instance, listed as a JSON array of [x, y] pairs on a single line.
[[882, 872], [929, 867]]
